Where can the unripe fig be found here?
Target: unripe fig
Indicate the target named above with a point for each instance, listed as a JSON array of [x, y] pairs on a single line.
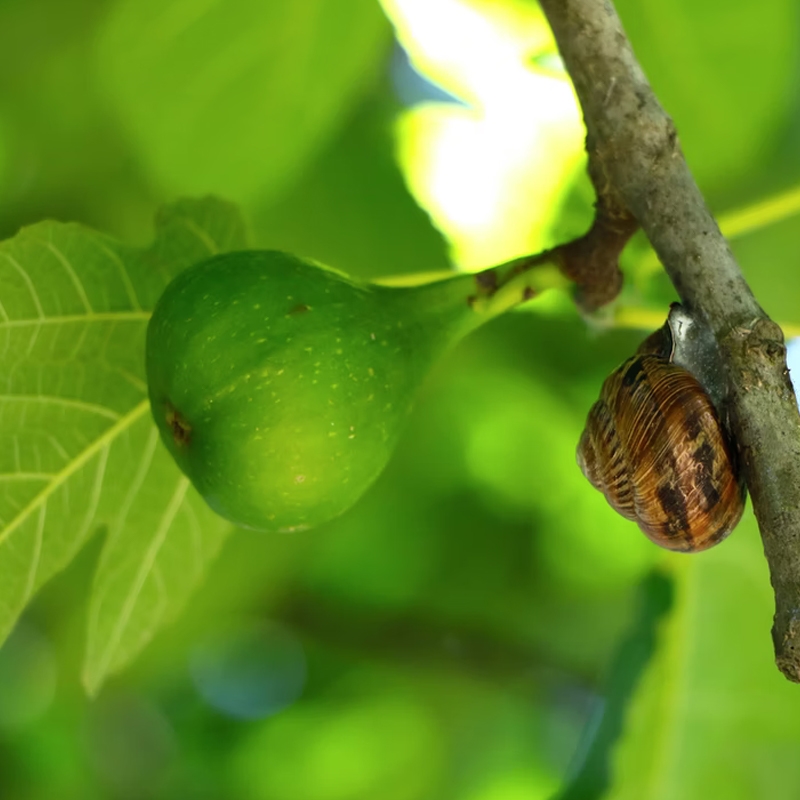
[[280, 386]]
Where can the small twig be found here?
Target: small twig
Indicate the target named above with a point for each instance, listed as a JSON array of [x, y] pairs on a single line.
[[590, 262], [633, 142]]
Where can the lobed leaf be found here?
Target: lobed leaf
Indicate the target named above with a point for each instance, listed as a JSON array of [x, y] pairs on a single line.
[[78, 448]]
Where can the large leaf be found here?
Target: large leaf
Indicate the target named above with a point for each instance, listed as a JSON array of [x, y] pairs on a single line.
[[66, 155], [377, 229], [712, 716], [232, 97], [725, 71], [78, 449], [591, 770]]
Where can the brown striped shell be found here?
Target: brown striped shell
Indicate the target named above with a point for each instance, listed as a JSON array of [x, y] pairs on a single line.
[[654, 446]]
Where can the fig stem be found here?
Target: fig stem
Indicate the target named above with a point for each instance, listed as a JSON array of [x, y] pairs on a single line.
[[508, 285]]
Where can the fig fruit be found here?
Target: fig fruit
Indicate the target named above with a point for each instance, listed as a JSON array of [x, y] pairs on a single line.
[[280, 386]]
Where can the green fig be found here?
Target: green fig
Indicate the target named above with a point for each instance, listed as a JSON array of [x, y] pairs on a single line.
[[280, 386]]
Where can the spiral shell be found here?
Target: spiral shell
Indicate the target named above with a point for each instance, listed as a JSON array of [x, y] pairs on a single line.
[[654, 446]]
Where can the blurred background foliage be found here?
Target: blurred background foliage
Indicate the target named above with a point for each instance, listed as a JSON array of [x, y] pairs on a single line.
[[481, 626]]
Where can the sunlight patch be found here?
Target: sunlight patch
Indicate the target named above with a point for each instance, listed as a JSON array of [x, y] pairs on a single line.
[[491, 175]]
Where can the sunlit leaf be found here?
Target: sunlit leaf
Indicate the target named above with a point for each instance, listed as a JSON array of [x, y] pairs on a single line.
[[233, 97], [492, 173], [443, 37], [78, 447]]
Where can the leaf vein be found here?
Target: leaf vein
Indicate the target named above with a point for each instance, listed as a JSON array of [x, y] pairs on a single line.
[[66, 402], [76, 281], [205, 239], [94, 502], [196, 534], [123, 272], [73, 466], [144, 570], [30, 583], [28, 282], [70, 319]]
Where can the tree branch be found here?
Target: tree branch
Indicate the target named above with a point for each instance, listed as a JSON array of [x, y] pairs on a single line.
[[633, 144]]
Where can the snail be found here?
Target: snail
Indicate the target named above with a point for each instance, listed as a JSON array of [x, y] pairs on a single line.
[[654, 443]]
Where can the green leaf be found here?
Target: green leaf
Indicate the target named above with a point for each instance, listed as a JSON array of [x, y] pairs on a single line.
[[765, 257], [2, 154], [67, 157], [78, 448], [724, 70], [378, 229], [233, 97], [591, 774], [712, 716]]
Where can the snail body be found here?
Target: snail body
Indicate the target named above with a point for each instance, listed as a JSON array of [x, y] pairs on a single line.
[[655, 447]]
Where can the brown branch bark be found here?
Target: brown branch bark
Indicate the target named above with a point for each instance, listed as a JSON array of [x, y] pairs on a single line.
[[633, 143]]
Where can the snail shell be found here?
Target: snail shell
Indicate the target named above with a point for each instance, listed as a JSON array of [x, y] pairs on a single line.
[[654, 446]]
